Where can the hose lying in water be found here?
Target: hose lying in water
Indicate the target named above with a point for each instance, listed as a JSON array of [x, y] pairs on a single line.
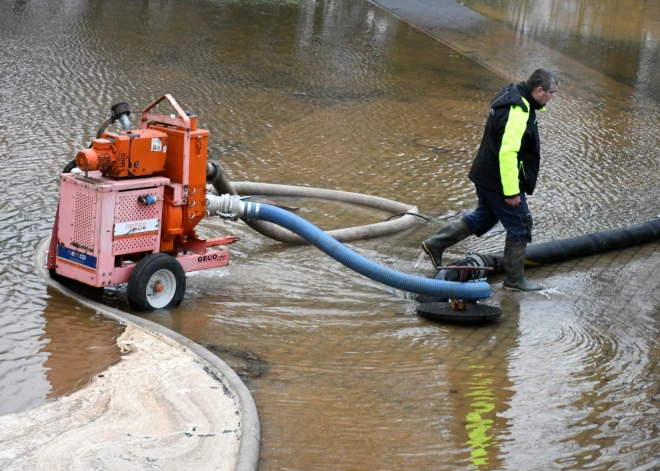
[[592, 244], [221, 186], [232, 206], [556, 251]]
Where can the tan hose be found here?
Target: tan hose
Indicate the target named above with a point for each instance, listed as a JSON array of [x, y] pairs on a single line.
[[368, 231]]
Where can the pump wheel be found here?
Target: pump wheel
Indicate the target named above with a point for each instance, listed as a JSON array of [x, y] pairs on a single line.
[[157, 281]]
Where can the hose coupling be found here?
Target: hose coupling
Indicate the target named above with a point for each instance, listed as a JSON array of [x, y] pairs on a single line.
[[231, 207]]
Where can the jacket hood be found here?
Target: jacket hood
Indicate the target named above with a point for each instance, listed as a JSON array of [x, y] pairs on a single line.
[[512, 95]]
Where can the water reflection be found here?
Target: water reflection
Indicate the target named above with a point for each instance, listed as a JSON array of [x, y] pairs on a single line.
[[50, 348], [478, 425], [576, 363], [617, 37], [77, 345]]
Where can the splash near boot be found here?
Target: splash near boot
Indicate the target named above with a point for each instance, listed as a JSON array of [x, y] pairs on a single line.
[[451, 234], [513, 265]]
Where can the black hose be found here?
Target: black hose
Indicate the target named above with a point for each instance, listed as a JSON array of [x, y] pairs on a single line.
[[102, 128], [558, 251], [592, 244], [216, 178], [70, 166], [404, 213]]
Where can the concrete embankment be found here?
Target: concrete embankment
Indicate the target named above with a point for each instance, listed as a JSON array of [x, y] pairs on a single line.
[[168, 404]]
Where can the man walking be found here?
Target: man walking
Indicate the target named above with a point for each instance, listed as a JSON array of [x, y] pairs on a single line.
[[504, 170]]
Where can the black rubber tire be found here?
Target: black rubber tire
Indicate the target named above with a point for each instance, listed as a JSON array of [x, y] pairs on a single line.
[[138, 282]]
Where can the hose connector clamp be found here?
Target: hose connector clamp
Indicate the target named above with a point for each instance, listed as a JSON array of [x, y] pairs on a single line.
[[232, 207]]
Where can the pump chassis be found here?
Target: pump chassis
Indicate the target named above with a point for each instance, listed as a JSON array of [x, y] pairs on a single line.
[[129, 214]]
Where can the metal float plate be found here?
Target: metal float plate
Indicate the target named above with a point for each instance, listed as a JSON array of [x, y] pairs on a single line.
[[473, 314]]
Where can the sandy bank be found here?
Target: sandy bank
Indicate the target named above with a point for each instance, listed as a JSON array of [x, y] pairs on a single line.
[[169, 404], [157, 408]]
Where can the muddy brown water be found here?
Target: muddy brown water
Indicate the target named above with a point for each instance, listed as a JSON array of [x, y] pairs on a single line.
[[345, 95]]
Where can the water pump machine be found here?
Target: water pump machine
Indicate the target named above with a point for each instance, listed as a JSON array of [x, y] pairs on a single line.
[[129, 205], [129, 214]]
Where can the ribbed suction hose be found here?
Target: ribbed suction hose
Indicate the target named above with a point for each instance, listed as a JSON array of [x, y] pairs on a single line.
[[233, 206]]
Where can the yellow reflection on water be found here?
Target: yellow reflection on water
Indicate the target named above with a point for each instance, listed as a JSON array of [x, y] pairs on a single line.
[[478, 422]]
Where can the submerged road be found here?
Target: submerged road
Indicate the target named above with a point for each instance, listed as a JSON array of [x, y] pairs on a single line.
[[343, 372]]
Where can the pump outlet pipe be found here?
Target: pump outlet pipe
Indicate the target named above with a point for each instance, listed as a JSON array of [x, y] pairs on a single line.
[[232, 206]]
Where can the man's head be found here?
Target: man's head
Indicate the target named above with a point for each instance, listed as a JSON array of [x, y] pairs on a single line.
[[542, 85]]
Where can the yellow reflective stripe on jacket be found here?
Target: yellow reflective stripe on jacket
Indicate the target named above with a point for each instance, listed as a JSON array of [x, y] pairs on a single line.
[[511, 142]]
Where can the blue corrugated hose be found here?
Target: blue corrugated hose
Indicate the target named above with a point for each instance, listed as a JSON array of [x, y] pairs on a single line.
[[471, 291]]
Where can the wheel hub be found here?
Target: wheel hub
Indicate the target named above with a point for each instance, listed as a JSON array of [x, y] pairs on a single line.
[[161, 288]]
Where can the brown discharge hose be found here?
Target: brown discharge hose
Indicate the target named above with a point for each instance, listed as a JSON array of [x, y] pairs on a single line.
[[221, 186]]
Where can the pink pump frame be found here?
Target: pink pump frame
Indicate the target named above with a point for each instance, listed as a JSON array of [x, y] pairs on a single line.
[[84, 242]]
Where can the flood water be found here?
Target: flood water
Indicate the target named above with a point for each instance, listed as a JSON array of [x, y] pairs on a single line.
[[344, 95]]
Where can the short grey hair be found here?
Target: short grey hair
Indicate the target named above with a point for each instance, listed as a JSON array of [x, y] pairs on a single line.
[[541, 78]]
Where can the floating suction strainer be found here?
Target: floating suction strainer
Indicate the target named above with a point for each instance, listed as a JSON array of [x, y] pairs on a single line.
[[473, 313]]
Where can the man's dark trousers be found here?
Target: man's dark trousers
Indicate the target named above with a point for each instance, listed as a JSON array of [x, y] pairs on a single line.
[[517, 220]]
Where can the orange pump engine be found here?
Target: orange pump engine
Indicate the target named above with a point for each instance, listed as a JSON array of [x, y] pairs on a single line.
[[130, 153], [165, 146], [131, 216]]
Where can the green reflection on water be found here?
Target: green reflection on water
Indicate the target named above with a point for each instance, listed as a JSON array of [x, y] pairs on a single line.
[[477, 424]]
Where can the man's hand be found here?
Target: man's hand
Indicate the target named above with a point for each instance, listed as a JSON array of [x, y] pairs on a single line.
[[515, 201]]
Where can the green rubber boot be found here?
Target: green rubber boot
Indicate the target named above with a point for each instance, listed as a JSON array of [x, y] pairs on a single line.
[[451, 234], [513, 265]]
